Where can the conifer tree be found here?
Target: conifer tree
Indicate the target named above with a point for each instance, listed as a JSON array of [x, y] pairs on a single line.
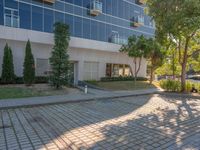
[[59, 60], [8, 75], [29, 65]]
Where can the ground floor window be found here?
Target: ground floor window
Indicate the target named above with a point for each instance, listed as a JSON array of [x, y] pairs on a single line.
[[42, 67], [91, 70], [116, 70]]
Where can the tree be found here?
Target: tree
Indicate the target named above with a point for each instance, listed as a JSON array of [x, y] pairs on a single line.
[[59, 60], [135, 49], [155, 54], [177, 21], [29, 65], [8, 75]]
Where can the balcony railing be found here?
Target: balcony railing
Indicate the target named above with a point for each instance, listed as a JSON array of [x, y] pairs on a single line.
[[96, 8], [140, 2], [119, 40], [137, 21], [49, 1]]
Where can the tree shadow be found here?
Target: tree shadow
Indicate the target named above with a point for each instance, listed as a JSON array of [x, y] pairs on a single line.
[[143, 122], [165, 128]]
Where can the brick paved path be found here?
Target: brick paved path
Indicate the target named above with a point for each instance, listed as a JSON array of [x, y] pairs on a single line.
[[143, 122]]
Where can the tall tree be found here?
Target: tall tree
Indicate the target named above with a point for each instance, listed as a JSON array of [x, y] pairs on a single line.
[[60, 59], [8, 75], [155, 55], [29, 65], [177, 21], [135, 49]]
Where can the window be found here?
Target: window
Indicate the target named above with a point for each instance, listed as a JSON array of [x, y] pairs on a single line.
[[25, 16], [116, 70], [91, 70], [48, 20], [86, 28], [37, 18], [42, 67], [11, 18], [1, 14], [78, 26]]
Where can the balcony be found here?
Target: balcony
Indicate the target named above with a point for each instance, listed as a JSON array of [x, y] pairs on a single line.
[[137, 21], [119, 40], [140, 2], [49, 1], [96, 8]]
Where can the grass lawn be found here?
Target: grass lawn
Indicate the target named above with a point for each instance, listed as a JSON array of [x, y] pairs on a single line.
[[122, 85], [21, 91]]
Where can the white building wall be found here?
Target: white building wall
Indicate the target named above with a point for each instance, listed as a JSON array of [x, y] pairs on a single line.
[[80, 50]]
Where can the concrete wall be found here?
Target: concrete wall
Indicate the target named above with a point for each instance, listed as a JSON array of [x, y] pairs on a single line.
[[80, 50]]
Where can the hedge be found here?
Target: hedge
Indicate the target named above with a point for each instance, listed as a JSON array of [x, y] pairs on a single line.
[[129, 78], [38, 80]]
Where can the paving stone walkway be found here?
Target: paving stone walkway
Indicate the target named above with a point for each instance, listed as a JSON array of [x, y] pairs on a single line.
[[72, 97], [151, 122]]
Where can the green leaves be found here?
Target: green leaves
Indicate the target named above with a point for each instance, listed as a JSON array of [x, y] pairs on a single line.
[[8, 75], [59, 58], [29, 65]]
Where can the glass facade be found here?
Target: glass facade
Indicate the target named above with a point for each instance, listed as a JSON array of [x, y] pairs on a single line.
[[104, 20]]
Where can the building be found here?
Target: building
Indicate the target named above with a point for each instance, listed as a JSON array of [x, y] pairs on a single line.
[[98, 28]]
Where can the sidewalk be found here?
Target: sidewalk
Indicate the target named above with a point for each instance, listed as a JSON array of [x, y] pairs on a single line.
[[92, 95]]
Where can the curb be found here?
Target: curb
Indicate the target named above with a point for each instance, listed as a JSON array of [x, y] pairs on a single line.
[[99, 98], [74, 101]]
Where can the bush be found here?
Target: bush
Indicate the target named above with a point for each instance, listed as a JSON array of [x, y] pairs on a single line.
[[129, 78], [175, 85], [38, 80]]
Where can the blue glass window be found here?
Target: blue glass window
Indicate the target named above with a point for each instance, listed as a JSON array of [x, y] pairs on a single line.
[[11, 18], [86, 3], [48, 20], [59, 6], [11, 4], [109, 7], [37, 23], [69, 21], [86, 28], [25, 16], [69, 8], [59, 17], [101, 31], [78, 2], [77, 26], [1, 13], [94, 30]]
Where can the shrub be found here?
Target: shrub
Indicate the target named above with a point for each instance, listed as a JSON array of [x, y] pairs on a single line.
[[128, 78], [29, 66], [7, 66], [175, 85], [38, 80]]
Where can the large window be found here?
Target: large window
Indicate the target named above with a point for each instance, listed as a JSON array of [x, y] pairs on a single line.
[[11, 18], [1, 14], [91, 70], [48, 20], [42, 67], [37, 18], [116, 70], [25, 16]]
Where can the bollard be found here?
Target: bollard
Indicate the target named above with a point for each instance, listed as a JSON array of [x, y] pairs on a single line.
[[86, 89]]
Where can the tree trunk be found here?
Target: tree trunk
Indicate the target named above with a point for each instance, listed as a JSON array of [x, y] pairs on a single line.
[[135, 62], [173, 66], [152, 75], [183, 65]]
